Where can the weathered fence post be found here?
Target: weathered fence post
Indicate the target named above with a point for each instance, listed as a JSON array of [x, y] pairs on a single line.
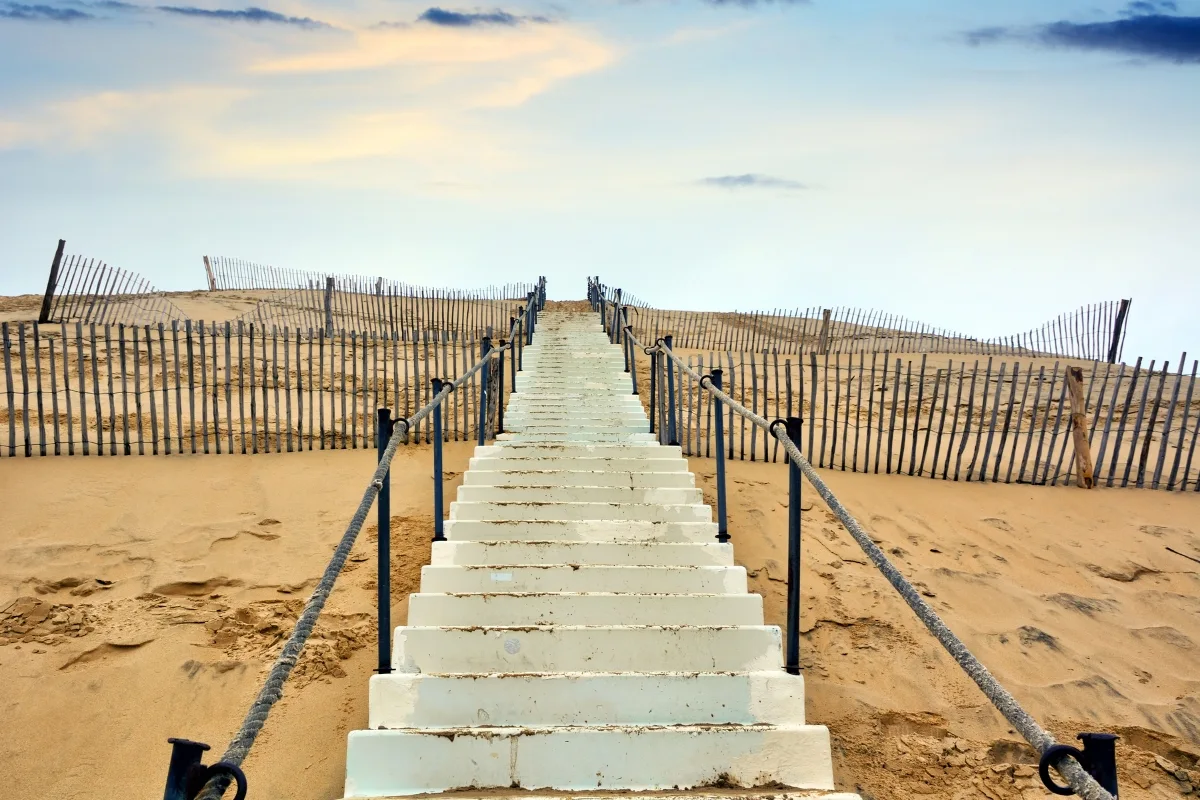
[[208, 273], [484, 348], [51, 283], [823, 342], [383, 434], [1083, 454], [793, 585], [1118, 328], [329, 306], [719, 418], [439, 534], [672, 427]]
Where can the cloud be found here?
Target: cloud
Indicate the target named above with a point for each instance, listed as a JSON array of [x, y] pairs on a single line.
[[465, 19], [751, 180], [753, 3], [251, 14], [1140, 8], [1148, 34], [40, 12]]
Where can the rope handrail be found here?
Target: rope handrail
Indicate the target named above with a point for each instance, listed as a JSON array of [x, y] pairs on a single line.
[[272, 688], [1039, 738]]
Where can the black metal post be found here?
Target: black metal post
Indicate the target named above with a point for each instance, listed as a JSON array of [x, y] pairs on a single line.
[[529, 319], [439, 531], [515, 330], [615, 328], [383, 505], [185, 758], [187, 776], [500, 393], [672, 432], [485, 347], [722, 519], [653, 388], [793, 585]]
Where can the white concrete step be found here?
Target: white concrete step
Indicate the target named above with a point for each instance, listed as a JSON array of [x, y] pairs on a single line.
[[578, 494], [599, 608], [637, 758], [519, 577], [650, 450], [647, 554], [407, 700], [546, 510], [580, 531], [557, 430], [576, 436], [554, 478], [525, 461], [563, 648]]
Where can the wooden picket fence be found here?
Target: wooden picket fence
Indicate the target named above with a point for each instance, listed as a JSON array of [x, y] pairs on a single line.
[[1093, 332], [388, 310], [88, 290], [75, 389], [997, 420], [300, 299]]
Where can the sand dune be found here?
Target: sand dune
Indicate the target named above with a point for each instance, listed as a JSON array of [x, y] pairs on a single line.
[[144, 598]]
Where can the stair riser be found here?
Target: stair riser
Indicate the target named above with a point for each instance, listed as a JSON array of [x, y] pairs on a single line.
[[576, 578], [512, 512], [595, 553], [584, 609], [548, 463], [386, 763], [579, 494], [402, 700], [609, 649], [543, 478], [581, 531], [650, 451]]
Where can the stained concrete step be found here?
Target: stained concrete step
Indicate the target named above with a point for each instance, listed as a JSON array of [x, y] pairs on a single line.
[[563, 648], [578, 494], [575, 436], [580, 530], [545, 510], [552, 463], [577, 577], [648, 450], [558, 430], [637, 758], [406, 700], [703, 793], [648, 554], [599, 608], [555, 478]]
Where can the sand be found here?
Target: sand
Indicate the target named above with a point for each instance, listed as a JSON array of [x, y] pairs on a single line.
[[154, 593]]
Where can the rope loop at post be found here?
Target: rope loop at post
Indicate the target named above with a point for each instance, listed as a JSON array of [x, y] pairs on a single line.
[[771, 427]]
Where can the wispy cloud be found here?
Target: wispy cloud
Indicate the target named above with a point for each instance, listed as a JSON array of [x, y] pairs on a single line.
[[251, 14], [468, 19], [753, 3], [44, 13], [751, 180], [1142, 31]]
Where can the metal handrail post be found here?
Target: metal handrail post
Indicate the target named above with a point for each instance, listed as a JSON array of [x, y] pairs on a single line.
[[793, 585], [485, 347], [383, 580], [672, 429], [722, 518], [439, 530]]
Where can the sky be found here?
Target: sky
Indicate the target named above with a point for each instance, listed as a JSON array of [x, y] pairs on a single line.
[[978, 166]]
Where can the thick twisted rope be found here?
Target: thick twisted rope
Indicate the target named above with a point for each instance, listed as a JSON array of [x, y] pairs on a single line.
[[1078, 778], [272, 689]]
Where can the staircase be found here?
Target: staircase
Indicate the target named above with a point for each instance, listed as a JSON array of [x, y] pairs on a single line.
[[582, 629]]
